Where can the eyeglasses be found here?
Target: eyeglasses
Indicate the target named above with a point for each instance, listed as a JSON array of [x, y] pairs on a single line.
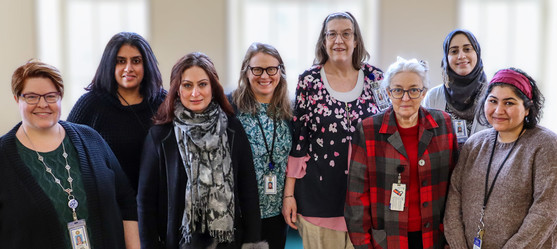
[[33, 99], [331, 36], [258, 71], [413, 93]]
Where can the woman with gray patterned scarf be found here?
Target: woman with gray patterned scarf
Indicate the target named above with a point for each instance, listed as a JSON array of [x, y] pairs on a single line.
[[464, 77], [197, 186]]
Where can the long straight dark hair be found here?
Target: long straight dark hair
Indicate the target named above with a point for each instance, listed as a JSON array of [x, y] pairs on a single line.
[[104, 80]]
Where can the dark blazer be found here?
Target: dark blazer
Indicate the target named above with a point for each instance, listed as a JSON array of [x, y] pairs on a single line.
[[162, 182], [27, 216]]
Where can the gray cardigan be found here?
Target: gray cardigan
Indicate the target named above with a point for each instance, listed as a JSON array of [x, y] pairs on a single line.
[[521, 211]]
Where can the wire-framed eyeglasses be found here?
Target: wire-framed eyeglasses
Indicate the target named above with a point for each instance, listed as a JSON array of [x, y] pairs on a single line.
[[33, 98], [346, 35], [413, 93], [258, 71]]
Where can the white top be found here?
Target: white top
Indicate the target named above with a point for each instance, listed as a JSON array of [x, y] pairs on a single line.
[[435, 98], [345, 96]]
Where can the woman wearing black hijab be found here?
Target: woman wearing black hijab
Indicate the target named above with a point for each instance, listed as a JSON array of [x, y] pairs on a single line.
[[464, 78]]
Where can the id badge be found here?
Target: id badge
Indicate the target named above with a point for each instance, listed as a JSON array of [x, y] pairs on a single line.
[[270, 184], [461, 132], [398, 195], [381, 98], [78, 235], [477, 243]]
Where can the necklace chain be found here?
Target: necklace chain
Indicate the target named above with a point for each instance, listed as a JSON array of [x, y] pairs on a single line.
[[72, 202]]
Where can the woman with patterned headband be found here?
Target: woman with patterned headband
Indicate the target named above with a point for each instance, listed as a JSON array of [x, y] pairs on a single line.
[[502, 192]]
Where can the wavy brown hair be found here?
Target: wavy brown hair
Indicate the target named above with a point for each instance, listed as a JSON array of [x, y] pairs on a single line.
[[244, 98], [360, 53], [165, 113]]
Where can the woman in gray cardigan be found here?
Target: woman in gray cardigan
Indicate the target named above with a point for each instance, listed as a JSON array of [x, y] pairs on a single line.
[[502, 192]]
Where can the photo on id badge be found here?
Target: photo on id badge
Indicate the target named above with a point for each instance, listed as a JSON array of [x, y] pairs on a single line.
[[270, 184], [460, 130], [78, 237]]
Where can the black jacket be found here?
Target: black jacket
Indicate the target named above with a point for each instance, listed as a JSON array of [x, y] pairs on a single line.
[[162, 182]]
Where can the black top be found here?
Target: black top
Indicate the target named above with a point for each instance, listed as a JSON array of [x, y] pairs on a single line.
[[123, 127], [162, 184], [27, 216]]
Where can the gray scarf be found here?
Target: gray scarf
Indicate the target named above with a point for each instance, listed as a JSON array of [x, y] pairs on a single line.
[[203, 144]]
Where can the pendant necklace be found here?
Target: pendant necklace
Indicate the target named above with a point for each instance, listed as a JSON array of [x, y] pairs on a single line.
[[72, 202]]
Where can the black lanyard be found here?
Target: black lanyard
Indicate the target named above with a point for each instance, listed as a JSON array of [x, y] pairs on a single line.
[[270, 152], [487, 193]]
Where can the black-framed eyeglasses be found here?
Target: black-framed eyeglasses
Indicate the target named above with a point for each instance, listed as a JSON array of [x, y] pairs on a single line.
[[258, 71], [33, 98], [346, 35], [413, 93]]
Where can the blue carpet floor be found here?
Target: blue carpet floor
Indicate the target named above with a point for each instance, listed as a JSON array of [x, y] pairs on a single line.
[[293, 240]]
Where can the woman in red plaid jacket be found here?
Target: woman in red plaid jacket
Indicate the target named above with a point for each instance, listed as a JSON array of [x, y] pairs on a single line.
[[400, 167]]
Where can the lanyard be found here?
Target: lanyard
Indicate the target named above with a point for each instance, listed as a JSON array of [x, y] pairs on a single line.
[[270, 152], [487, 193]]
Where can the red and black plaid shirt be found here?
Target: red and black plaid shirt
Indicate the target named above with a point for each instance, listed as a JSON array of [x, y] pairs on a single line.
[[377, 152]]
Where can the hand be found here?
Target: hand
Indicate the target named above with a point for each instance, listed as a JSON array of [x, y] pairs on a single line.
[[289, 211]]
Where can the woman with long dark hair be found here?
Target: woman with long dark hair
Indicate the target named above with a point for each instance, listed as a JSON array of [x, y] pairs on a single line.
[[123, 97]]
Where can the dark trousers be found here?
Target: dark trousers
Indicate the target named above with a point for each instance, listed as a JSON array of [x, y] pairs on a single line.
[[415, 240], [273, 230]]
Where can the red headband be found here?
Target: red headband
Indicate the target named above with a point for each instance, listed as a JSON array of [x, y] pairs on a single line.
[[513, 78]]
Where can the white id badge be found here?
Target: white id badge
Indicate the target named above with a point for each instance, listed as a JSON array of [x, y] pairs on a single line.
[[398, 195], [477, 243], [270, 184], [461, 132], [78, 235]]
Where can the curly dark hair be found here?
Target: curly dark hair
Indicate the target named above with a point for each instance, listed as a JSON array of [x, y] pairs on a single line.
[[534, 105]]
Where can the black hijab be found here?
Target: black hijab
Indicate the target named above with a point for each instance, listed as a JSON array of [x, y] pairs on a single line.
[[461, 91]]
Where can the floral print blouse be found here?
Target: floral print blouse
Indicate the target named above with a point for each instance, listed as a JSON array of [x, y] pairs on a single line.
[[270, 204], [323, 129]]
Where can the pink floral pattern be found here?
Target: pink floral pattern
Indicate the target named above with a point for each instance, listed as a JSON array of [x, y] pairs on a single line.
[[324, 133]]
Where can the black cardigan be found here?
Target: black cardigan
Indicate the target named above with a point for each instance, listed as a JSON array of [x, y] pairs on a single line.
[[162, 182], [28, 218]]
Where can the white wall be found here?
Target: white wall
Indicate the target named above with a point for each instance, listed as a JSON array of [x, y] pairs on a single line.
[[17, 43], [185, 26], [415, 29]]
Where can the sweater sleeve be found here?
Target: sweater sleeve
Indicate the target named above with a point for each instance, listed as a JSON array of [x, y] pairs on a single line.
[[302, 110], [453, 223], [83, 111], [147, 196], [247, 187], [539, 224], [357, 211]]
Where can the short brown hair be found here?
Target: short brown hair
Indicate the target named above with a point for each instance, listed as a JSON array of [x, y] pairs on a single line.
[[36, 69], [165, 113]]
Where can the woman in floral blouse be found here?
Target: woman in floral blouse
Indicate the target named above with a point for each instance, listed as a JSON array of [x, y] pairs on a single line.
[[264, 110], [331, 98]]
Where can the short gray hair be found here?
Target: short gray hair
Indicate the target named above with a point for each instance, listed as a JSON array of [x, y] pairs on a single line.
[[420, 68]]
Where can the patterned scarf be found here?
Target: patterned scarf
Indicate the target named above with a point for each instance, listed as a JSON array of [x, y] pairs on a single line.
[[203, 144], [461, 92]]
